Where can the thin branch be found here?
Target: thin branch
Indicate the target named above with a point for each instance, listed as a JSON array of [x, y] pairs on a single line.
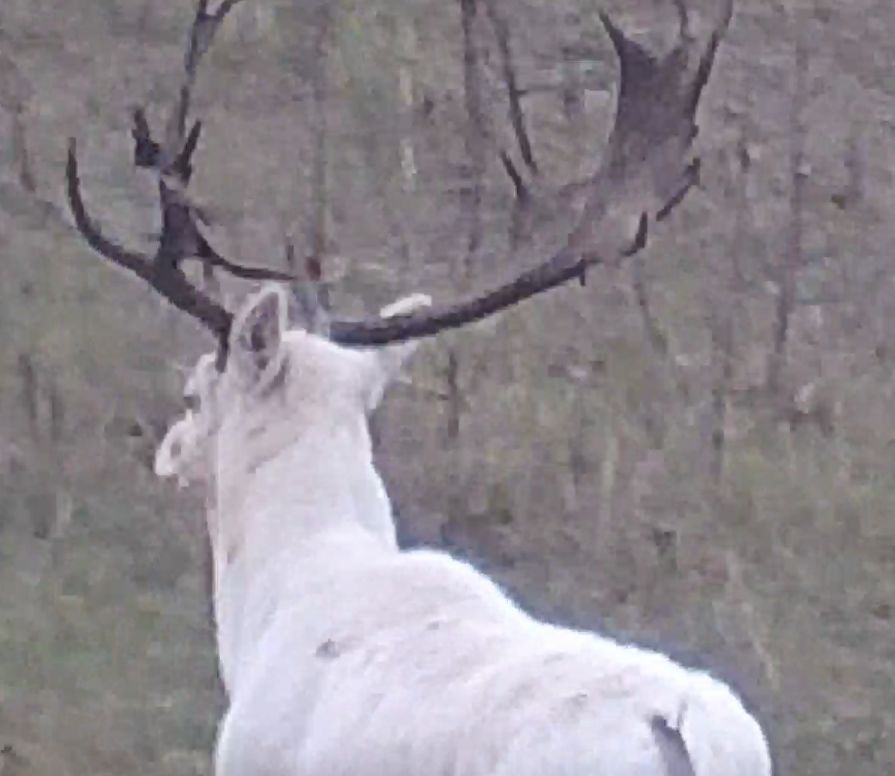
[[654, 333], [517, 116], [475, 130], [793, 258], [657, 338], [519, 185], [21, 152], [683, 19]]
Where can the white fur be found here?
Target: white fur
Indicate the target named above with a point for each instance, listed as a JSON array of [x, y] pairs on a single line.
[[344, 656]]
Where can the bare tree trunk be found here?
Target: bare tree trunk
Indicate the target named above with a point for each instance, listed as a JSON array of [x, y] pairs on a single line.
[[508, 67], [608, 479], [319, 218], [520, 216], [854, 166], [475, 132], [20, 151], [579, 465], [655, 334], [47, 521], [63, 504], [407, 46], [572, 88], [57, 413], [28, 379], [471, 209], [792, 257], [456, 500], [452, 374], [721, 316], [15, 94], [722, 355]]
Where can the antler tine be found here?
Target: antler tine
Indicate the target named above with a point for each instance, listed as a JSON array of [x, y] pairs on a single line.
[[202, 32], [137, 263], [645, 173], [170, 282], [181, 237]]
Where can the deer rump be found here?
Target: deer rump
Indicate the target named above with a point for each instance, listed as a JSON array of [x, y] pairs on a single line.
[[406, 663]]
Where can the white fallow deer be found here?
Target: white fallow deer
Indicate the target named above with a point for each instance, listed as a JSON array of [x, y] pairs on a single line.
[[341, 654]]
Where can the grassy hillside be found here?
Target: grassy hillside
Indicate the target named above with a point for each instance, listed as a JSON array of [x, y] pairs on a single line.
[[643, 455]]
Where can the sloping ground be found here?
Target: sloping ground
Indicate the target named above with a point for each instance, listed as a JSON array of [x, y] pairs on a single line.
[[580, 474]]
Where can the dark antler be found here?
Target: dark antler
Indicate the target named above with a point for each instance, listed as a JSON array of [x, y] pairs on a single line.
[[645, 173], [181, 237], [169, 281]]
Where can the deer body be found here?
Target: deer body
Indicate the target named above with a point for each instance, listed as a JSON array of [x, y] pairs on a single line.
[[342, 654], [410, 663]]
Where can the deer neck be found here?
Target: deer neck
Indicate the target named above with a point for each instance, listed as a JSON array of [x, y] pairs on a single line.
[[313, 498], [289, 499]]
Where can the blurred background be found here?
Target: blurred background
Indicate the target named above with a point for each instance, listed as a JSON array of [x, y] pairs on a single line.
[[694, 451]]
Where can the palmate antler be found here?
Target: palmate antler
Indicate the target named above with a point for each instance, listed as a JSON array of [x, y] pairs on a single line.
[[646, 171]]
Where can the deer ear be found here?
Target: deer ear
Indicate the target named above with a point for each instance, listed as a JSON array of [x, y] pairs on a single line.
[[386, 362], [256, 338]]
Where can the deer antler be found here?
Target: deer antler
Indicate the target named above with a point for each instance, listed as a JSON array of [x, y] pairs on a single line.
[[168, 280], [181, 238], [644, 174]]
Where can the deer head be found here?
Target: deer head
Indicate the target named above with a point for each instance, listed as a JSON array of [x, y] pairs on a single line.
[[277, 377], [286, 393]]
